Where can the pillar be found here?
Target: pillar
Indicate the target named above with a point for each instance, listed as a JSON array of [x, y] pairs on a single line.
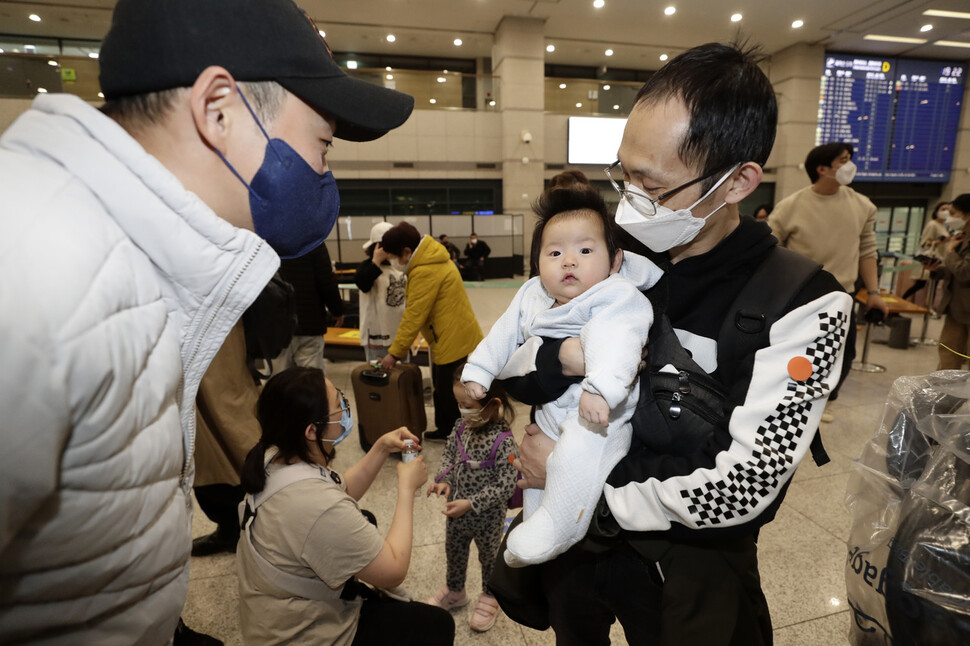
[[518, 62]]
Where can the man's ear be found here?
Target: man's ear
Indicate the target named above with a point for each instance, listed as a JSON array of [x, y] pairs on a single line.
[[743, 182], [617, 261], [213, 92]]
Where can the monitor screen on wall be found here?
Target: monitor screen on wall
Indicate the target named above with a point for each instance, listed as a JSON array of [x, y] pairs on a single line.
[[593, 140], [900, 115]]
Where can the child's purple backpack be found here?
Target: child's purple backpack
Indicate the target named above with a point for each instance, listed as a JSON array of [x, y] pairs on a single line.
[[516, 500]]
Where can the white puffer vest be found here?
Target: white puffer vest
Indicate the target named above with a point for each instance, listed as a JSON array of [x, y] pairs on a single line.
[[118, 288]]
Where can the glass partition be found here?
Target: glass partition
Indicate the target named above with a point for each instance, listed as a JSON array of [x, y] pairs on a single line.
[[578, 96], [503, 233]]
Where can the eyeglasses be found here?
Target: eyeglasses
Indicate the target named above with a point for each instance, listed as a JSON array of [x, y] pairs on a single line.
[[344, 406], [640, 201]]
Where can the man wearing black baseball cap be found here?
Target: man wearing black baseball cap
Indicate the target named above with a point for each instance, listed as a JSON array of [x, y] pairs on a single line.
[[128, 234]]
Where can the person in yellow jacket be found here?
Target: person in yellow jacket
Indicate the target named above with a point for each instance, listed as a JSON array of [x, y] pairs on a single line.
[[438, 307]]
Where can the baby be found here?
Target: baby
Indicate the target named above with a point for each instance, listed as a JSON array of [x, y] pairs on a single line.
[[587, 287]]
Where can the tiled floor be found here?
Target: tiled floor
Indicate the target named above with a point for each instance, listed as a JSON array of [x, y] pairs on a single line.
[[802, 552]]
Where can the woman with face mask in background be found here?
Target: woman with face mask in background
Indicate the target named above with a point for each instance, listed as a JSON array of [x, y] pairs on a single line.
[[438, 307], [306, 549], [955, 301]]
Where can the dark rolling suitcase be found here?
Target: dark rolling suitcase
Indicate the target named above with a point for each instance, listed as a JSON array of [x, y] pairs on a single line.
[[386, 401]]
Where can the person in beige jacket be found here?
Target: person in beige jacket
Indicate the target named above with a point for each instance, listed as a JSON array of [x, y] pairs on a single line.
[[834, 226], [438, 307], [226, 429]]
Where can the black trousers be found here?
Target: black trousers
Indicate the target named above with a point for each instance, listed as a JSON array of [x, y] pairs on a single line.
[[709, 594], [446, 411], [220, 503], [587, 592], [388, 622]]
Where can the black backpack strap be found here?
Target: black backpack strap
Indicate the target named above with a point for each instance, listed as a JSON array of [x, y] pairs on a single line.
[[765, 298]]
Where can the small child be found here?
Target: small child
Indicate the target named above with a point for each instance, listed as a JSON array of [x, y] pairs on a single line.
[[477, 478], [578, 292]]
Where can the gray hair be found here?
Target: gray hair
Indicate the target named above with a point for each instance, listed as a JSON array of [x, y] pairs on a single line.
[[151, 109]]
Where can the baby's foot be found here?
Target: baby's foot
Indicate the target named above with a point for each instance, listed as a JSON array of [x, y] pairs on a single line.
[[534, 541]]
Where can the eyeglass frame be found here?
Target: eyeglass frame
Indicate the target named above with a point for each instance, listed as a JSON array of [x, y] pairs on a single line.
[[344, 405], [660, 198]]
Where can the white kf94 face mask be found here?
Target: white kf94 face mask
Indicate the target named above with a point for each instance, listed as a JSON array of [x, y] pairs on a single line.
[[846, 173], [666, 228]]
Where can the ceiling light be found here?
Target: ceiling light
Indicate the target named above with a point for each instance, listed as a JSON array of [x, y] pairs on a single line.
[[579, 105], [100, 95], [562, 86], [616, 107], [1, 51], [457, 42], [387, 69], [444, 71], [442, 79], [939, 13], [797, 24], [608, 52], [322, 33], [351, 65], [894, 39], [926, 28], [93, 55], [598, 4], [670, 11], [663, 57], [34, 17], [52, 63], [952, 43], [735, 17], [42, 90], [389, 77], [391, 38], [550, 48], [432, 100], [606, 87]]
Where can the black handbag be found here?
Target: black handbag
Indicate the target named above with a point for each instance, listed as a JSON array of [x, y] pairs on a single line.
[[518, 590]]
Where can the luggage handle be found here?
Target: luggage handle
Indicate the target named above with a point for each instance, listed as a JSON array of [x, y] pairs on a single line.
[[375, 377]]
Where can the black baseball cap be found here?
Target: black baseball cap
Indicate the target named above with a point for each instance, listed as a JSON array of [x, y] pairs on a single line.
[[156, 45]]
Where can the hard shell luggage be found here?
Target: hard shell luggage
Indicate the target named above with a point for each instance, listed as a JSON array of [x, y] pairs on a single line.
[[387, 400]]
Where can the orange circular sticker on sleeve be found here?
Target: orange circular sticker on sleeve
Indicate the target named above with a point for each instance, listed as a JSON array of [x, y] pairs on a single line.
[[800, 369]]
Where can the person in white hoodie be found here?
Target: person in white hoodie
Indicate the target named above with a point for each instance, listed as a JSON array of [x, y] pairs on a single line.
[[129, 252], [586, 287]]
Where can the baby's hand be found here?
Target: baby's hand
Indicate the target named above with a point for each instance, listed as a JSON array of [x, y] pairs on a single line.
[[457, 508], [475, 391], [439, 489], [594, 409]]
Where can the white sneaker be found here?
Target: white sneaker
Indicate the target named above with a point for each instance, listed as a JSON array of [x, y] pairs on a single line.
[[445, 598]]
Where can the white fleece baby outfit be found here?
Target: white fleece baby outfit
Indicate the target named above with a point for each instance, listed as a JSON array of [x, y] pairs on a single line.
[[612, 320]]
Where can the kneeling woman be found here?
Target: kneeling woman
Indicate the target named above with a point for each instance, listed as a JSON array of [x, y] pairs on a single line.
[[306, 546]]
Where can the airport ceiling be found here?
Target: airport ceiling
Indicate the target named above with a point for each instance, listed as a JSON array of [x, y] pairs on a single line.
[[638, 32]]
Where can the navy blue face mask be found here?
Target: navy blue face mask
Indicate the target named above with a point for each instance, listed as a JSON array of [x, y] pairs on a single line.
[[294, 208]]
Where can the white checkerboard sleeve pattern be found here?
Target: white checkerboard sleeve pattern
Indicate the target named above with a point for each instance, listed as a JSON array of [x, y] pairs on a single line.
[[777, 439], [770, 432]]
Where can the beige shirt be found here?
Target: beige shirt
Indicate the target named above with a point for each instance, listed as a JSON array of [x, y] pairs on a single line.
[[314, 529], [836, 231]]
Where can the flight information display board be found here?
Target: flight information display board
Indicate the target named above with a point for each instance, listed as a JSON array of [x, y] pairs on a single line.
[[900, 115]]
